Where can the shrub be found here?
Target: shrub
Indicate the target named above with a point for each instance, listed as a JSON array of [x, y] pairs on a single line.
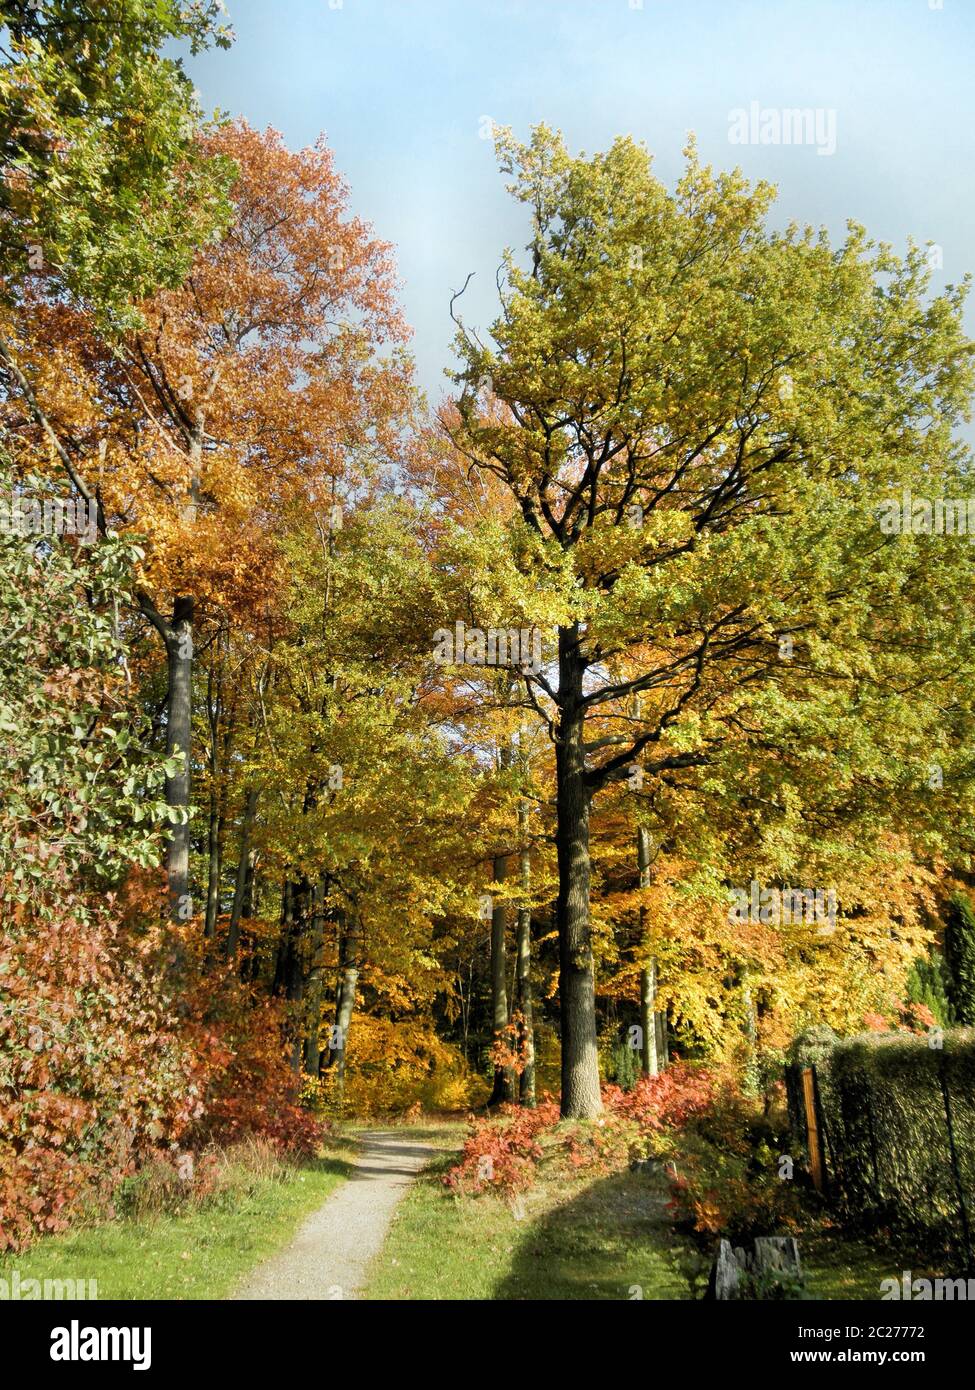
[[105, 1074], [719, 1149], [500, 1154], [736, 1194], [667, 1101], [624, 1065], [927, 985], [723, 1166]]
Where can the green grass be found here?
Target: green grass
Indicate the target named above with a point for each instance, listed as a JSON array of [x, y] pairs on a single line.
[[200, 1253], [604, 1240], [837, 1266]]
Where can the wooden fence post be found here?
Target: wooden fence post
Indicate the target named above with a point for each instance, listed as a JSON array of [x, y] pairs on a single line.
[[812, 1126]]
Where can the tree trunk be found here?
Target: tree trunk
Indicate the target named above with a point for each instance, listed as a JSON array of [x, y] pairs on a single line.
[[346, 1004], [216, 821], [214, 866], [648, 975], [660, 1029], [297, 962], [750, 1031], [314, 988], [580, 1060], [526, 1082], [243, 868], [285, 964], [179, 714], [503, 1089]]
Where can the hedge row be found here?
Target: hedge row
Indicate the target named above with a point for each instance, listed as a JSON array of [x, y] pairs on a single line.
[[886, 1101]]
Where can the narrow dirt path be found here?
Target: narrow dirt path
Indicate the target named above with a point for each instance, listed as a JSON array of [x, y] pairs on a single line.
[[329, 1256]]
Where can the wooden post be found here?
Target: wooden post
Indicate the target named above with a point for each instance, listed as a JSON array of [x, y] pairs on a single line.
[[812, 1127]]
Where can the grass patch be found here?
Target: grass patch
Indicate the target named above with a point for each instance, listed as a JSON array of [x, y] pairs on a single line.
[[608, 1239], [199, 1252], [605, 1238], [839, 1266]]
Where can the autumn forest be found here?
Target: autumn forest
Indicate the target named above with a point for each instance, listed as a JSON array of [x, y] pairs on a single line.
[[566, 784]]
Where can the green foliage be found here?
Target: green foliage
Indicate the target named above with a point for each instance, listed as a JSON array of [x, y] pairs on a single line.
[[624, 1065], [960, 958], [699, 419], [773, 1285], [813, 1046], [928, 984], [103, 183], [83, 796]]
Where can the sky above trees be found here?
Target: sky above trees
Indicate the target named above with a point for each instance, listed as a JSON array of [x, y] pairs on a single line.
[[401, 87]]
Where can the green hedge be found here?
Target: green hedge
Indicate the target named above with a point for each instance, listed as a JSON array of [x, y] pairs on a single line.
[[886, 1131]]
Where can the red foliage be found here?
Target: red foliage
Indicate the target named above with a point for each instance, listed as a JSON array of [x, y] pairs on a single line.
[[910, 1018], [253, 1092], [500, 1153], [667, 1101], [105, 1064]]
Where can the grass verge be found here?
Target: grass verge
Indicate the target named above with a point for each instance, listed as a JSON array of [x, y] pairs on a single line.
[[608, 1239], [605, 1238], [199, 1252]]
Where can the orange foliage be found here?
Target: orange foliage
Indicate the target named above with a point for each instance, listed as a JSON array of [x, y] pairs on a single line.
[[106, 1067]]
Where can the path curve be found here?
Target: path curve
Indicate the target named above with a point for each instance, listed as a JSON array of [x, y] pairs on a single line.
[[330, 1255]]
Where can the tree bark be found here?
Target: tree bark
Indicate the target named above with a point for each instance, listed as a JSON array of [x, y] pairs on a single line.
[[660, 1025], [243, 867], [648, 975], [179, 654], [580, 1061], [214, 867], [288, 968], [313, 1051], [346, 1003], [502, 1090], [215, 713], [750, 1031], [526, 1082]]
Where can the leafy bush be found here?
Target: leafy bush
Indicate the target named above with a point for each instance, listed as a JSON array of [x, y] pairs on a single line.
[[624, 1065], [927, 985], [108, 1069], [724, 1169], [500, 1154], [720, 1153], [83, 797], [670, 1100], [503, 1152]]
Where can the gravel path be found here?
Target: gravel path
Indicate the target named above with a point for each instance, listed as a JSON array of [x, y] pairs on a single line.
[[329, 1256]]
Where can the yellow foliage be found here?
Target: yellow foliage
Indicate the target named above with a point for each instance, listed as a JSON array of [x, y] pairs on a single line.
[[391, 1066]]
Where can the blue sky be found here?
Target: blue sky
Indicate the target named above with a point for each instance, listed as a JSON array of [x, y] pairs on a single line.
[[401, 88]]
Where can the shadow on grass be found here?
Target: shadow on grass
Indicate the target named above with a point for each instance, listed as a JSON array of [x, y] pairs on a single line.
[[611, 1241], [341, 1167]]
